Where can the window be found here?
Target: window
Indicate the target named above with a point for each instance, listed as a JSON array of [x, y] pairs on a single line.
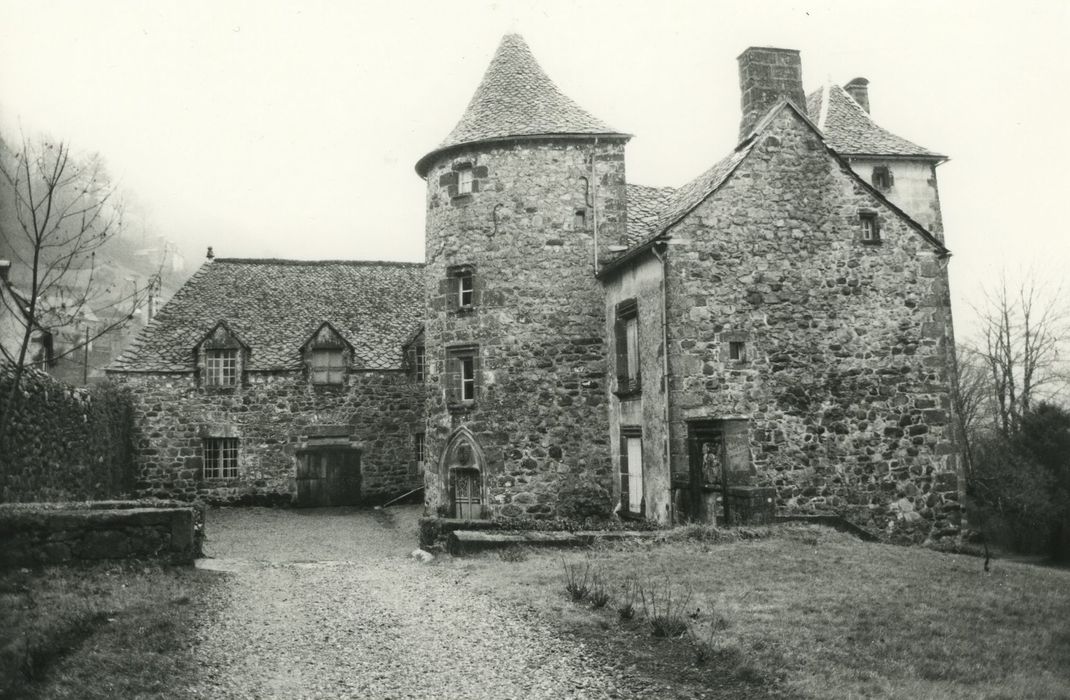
[[418, 362], [462, 375], [737, 350], [579, 220], [220, 367], [627, 342], [461, 288], [631, 472], [328, 366], [418, 452], [220, 458], [465, 290], [464, 180], [870, 233], [882, 177]]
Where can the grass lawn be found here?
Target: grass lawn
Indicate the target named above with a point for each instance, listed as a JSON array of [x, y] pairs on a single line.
[[800, 610], [114, 630]]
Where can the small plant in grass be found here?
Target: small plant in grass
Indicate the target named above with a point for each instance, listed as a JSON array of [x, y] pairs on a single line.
[[703, 644], [513, 554], [626, 609], [599, 594], [665, 609], [577, 585]]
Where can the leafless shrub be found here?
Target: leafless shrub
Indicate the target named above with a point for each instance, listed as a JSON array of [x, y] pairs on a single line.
[[665, 609], [577, 585]]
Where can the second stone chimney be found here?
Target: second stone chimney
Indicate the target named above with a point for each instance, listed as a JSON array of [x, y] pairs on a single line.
[[766, 75], [858, 89]]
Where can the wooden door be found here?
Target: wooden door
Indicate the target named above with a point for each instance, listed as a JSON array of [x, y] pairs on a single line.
[[467, 501], [328, 477]]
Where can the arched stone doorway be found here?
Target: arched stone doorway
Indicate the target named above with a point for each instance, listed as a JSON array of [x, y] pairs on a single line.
[[462, 468]]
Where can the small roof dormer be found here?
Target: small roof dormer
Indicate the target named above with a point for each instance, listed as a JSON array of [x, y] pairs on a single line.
[[221, 337], [516, 99]]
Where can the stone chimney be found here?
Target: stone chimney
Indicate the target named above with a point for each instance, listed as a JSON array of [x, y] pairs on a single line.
[[858, 89], [5, 270], [766, 75]]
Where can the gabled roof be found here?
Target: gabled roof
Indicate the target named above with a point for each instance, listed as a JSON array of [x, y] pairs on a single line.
[[690, 195], [228, 332], [275, 305], [850, 131], [334, 334], [644, 206], [517, 99]]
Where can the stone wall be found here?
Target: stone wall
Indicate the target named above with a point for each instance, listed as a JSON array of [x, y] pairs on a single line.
[[845, 382], [65, 443], [59, 533], [273, 415], [913, 188], [537, 324]]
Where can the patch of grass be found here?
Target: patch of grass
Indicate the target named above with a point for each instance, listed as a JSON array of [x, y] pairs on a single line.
[[515, 553], [599, 594], [577, 586], [626, 608], [843, 618], [102, 631]]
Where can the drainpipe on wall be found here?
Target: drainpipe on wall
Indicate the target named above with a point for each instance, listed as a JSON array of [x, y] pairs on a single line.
[[592, 196], [665, 372]]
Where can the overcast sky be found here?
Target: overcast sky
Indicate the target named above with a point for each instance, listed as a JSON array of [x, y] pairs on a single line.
[[290, 129]]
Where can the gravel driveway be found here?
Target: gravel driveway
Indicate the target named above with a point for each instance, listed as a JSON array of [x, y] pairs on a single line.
[[326, 603]]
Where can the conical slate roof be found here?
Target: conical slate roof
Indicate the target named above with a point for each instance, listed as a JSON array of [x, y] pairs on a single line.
[[850, 131], [516, 98]]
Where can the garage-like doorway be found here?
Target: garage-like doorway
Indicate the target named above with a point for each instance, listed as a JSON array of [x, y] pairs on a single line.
[[328, 476]]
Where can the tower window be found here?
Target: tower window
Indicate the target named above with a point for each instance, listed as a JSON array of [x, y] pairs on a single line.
[[460, 288], [579, 220], [462, 375], [737, 350], [464, 180], [868, 230], [418, 451], [882, 177]]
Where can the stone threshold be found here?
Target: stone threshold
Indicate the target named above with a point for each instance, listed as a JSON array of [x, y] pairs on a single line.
[[461, 542]]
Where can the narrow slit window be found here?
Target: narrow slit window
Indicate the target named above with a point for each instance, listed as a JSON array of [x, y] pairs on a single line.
[[465, 290], [737, 350], [418, 452], [419, 362]]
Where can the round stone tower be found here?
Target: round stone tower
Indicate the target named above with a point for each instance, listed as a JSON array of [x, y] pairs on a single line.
[[524, 198]]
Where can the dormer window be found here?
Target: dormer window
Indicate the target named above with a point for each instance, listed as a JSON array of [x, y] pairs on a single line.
[[882, 177], [327, 356], [328, 366], [220, 367], [869, 231]]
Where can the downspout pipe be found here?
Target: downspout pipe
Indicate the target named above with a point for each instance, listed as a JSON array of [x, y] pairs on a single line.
[[664, 260], [592, 196]]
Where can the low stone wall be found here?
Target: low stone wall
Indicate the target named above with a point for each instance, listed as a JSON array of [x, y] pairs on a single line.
[[60, 533]]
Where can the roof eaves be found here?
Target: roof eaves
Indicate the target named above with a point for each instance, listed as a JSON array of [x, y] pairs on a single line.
[[424, 164]]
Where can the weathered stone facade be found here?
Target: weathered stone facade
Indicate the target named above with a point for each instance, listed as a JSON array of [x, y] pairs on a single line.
[[535, 324], [274, 416], [845, 379]]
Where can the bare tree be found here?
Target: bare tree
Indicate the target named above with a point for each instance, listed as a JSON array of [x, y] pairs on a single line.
[[972, 397], [65, 209], [1023, 332]]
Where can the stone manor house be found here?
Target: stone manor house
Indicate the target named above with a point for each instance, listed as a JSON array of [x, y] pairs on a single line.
[[579, 346]]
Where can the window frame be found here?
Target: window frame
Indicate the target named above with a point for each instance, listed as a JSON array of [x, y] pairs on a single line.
[[882, 178], [737, 350], [465, 179], [462, 378], [579, 220], [869, 228], [419, 452], [334, 375], [217, 362], [628, 476], [629, 355], [219, 459], [462, 289], [419, 362]]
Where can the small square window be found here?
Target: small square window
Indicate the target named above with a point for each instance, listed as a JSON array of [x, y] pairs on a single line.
[[464, 180], [220, 458], [737, 350], [869, 231], [220, 367], [328, 366], [882, 177]]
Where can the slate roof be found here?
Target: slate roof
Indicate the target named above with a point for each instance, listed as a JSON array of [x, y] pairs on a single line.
[[849, 130], [274, 306], [516, 98], [644, 206]]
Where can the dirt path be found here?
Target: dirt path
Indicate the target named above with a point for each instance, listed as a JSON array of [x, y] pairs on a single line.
[[326, 603]]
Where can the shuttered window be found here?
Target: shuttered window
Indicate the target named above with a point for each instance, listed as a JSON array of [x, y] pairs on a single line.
[[626, 340], [631, 472], [462, 375], [328, 367]]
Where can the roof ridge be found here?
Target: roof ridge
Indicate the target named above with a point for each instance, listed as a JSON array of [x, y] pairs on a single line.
[[292, 261]]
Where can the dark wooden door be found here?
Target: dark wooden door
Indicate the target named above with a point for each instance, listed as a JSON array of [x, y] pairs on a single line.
[[467, 502], [328, 477]]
